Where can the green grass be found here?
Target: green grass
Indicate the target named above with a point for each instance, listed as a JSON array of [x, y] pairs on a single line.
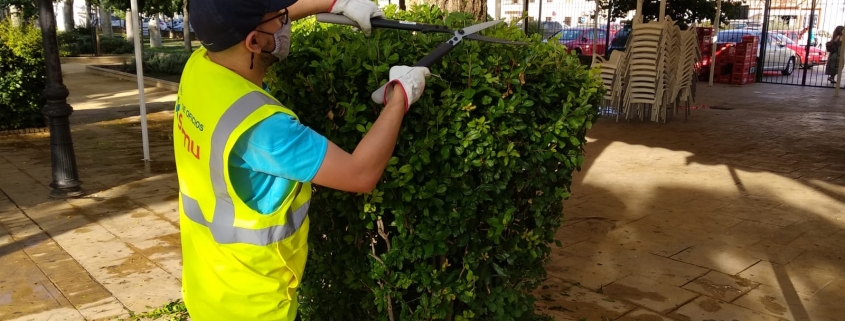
[[169, 45]]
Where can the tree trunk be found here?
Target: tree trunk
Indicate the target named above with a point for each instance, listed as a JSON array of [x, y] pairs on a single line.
[[155, 33], [105, 20], [15, 16], [478, 8], [186, 27], [68, 15], [131, 26]]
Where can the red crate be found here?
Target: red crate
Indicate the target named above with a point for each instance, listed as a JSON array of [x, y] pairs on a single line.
[[750, 39], [744, 60], [723, 79], [743, 70], [742, 79], [745, 64], [705, 31], [745, 46]]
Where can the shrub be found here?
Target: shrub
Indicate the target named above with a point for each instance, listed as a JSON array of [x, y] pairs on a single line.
[[115, 46], [460, 225], [21, 77], [76, 42], [80, 41], [163, 62]]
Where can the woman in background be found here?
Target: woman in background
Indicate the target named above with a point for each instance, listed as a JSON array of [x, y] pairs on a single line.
[[833, 46]]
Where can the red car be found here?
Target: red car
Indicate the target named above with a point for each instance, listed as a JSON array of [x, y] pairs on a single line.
[[817, 56], [580, 40]]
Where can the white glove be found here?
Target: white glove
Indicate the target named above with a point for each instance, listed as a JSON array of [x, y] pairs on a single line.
[[411, 79], [360, 11]]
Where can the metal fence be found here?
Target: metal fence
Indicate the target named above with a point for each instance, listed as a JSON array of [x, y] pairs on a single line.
[[793, 34], [579, 24]]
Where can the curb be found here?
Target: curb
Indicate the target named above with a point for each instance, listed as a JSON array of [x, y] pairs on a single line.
[[97, 60], [22, 131], [148, 81]]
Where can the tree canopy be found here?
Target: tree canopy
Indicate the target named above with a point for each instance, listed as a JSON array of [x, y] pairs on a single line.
[[685, 12]]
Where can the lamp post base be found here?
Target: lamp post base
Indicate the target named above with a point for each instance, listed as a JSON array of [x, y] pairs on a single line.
[[71, 192]]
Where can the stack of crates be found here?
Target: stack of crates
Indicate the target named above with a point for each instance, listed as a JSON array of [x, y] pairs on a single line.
[[723, 58], [745, 61], [705, 42], [725, 54]]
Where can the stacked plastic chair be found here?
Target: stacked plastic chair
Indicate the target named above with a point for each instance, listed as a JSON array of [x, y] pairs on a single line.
[[690, 55], [656, 71], [644, 75], [672, 63], [609, 75]]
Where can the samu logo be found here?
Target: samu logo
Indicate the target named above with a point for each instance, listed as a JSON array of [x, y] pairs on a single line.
[[197, 123], [187, 142]]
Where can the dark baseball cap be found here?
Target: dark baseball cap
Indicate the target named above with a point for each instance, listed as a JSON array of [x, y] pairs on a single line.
[[220, 24]]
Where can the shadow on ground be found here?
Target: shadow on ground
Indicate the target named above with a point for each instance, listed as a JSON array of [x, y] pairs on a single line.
[[734, 214]]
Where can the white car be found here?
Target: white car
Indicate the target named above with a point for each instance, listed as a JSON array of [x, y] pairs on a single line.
[[778, 56]]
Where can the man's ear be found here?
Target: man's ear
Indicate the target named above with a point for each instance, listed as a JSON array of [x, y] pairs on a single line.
[[252, 43]]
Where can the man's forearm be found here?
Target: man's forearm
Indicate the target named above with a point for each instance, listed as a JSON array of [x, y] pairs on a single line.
[[305, 8], [374, 151]]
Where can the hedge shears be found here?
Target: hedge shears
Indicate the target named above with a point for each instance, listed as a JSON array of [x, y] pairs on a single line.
[[434, 56]]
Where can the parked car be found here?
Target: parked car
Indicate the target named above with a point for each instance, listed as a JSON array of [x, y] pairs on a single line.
[[580, 40], [117, 22], [549, 27], [778, 56], [619, 40], [817, 56]]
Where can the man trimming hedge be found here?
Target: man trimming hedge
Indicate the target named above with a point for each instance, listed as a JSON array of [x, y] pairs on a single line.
[[245, 163]]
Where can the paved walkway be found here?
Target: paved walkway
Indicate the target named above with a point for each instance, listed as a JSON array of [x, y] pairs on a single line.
[[733, 215]]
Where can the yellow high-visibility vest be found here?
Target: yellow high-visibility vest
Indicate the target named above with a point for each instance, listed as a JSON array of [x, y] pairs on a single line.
[[237, 263]]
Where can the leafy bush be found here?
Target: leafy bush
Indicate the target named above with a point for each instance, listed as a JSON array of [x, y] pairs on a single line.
[[80, 41], [75, 42], [460, 225], [163, 62], [115, 46], [21, 77]]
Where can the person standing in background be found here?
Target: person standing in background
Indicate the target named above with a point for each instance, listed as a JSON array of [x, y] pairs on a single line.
[[833, 46]]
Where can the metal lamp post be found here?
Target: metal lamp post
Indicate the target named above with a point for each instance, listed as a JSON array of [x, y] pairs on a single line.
[[65, 182]]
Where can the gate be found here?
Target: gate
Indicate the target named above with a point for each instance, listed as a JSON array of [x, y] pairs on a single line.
[[792, 35]]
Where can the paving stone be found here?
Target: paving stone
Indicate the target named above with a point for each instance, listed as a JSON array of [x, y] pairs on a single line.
[[772, 252], [583, 271], [780, 216], [784, 302], [705, 308], [644, 315], [720, 286], [556, 295], [105, 308], [649, 293], [666, 270], [719, 257], [831, 263], [59, 314], [805, 281], [166, 205]]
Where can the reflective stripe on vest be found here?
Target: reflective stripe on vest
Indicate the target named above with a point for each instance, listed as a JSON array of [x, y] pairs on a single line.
[[222, 223]]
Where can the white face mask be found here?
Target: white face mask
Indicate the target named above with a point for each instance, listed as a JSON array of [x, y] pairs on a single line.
[[282, 38]]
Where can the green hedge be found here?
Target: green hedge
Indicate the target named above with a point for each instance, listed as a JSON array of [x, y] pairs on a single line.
[[460, 225], [80, 41], [162, 62], [21, 77]]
